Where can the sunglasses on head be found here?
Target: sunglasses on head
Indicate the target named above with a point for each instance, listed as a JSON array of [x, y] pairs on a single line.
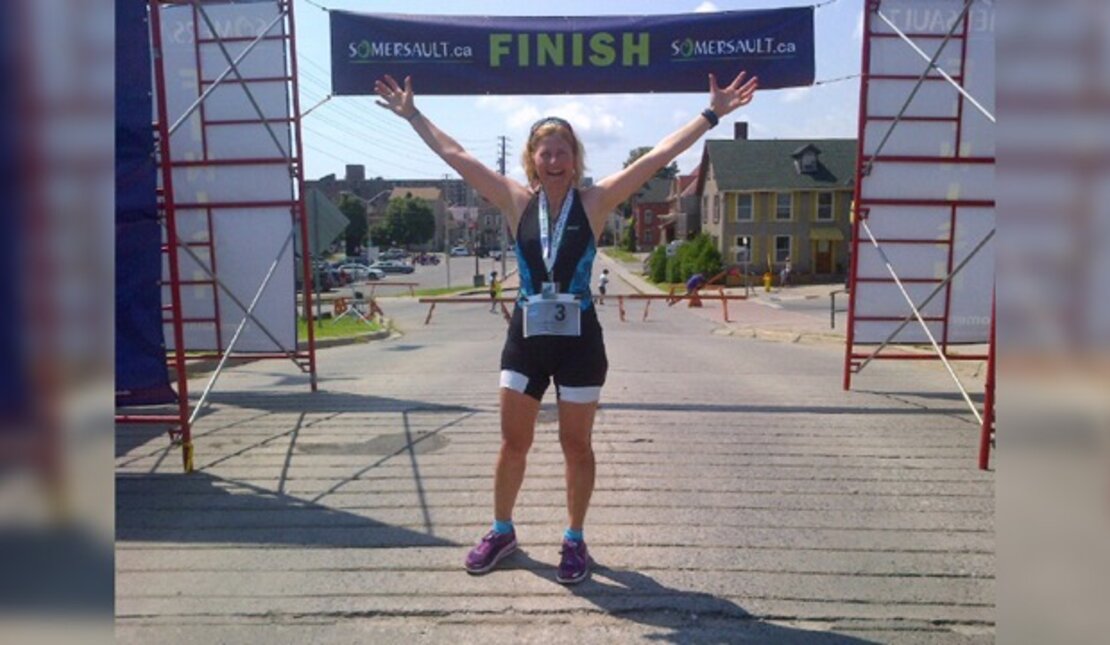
[[550, 120]]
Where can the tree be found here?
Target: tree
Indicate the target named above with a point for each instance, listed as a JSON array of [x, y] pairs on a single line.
[[409, 220], [670, 171], [628, 238], [379, 236], [355, 210]]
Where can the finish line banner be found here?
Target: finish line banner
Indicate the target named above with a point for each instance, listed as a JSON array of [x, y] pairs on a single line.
[[452, 55]]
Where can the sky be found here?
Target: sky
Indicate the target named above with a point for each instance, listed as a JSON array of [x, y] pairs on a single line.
[[346, 129]]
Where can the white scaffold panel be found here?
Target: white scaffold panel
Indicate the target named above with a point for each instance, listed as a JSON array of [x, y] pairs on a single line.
[[927, 200], [920, 181], [915, 138], [246, 238], [263, 233]]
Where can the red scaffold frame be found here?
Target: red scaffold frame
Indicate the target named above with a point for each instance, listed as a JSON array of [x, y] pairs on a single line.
[[855, 360], [180, 423]]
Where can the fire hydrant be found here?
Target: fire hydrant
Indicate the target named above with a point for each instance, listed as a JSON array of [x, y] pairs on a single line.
[[767, 279]]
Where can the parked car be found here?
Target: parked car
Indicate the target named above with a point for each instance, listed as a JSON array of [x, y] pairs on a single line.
[[358, 273], [459, 251], [325, 277], [393, 253], [425, 259], [392, 266]]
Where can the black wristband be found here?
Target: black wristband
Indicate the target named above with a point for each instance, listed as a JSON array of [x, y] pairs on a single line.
[[711, 116], [415, 113]]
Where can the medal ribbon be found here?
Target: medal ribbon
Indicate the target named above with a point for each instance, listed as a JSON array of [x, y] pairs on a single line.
[[551, 246]]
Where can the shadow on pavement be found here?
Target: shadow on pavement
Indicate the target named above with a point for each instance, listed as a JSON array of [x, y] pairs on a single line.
[[201, 508], [681, 616], [278, 401], [773, 409]]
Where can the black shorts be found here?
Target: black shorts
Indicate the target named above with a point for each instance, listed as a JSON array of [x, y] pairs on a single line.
[[577, 363]]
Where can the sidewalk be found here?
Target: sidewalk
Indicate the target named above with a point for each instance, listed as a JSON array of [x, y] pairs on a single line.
[[762, 316]]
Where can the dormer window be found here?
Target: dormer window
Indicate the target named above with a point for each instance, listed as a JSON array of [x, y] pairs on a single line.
[[809, 163], [805, 159]]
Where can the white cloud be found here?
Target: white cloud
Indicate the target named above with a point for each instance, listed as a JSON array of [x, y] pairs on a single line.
[[794, 94], [857, 33], [706, 7]]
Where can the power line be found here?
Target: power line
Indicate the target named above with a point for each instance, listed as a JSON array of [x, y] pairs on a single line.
[[836, 80], [388, 162]]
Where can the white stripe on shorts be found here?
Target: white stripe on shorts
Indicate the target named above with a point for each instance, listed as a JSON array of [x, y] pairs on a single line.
[[515, 381], [591, 394]]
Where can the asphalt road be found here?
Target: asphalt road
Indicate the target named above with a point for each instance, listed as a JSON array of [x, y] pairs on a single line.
[[742, 495]]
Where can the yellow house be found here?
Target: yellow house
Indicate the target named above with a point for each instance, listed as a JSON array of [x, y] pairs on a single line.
[[769, 202]]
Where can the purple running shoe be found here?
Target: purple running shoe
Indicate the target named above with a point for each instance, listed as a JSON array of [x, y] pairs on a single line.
[[574, 566], [493, 548]]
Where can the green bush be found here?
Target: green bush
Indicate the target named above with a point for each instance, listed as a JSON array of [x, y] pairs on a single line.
[[657, 264], [697, 256], [674, 269], [628, 239]]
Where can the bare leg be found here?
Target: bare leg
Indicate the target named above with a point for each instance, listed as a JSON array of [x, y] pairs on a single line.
[[576, 423], [518, 427]]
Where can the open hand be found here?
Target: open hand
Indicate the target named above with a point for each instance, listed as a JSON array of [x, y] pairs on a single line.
[[393, 98], [723, 100]]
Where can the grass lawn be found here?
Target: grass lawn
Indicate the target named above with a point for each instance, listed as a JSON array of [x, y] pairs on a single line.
[[620, 255], [343, 328], [447, 291]]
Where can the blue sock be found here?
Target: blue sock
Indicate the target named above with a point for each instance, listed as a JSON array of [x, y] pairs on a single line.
[[571, 534], [503, 527]]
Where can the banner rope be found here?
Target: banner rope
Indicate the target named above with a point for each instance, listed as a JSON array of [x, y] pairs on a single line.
[[837, 80]]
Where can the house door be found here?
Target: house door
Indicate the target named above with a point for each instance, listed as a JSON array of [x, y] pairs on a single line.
[[823, 256]]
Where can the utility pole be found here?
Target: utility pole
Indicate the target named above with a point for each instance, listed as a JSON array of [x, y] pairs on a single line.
[[504, 241], [446, 234]]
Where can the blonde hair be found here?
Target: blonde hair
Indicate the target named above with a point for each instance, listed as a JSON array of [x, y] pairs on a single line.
[[546, 127]]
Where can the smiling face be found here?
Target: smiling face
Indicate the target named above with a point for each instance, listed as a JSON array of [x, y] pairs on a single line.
[[553, 158]]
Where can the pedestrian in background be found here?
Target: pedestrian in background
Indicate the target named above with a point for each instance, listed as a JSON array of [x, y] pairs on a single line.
[[494, 290]]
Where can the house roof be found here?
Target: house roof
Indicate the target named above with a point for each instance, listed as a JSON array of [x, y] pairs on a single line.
[[429, 194], [768, 164], [656, 191], [689, 183]]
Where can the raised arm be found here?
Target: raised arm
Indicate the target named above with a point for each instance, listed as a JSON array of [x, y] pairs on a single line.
[[504, 193], [619, 186]]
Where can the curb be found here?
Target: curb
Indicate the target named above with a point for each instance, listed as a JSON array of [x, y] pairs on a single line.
[[196, 368]]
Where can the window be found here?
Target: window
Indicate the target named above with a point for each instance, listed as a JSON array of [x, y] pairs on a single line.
[[782, 248], [716, 209], [745, 211], [784, 206], [743, 248], [648, 215], [705, 210], [648, 236], [824, 207], [809, 162]]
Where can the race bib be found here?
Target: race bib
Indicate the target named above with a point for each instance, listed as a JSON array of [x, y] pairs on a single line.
[[560, 315]]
